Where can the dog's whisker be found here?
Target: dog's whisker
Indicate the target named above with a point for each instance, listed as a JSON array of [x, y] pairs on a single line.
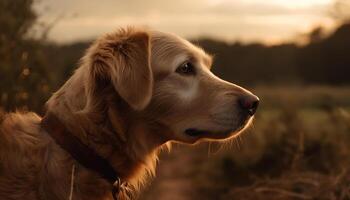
[[209, 146], [237, 144], [240, 139]]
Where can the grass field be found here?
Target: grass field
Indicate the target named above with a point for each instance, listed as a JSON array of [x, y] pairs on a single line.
[[297, 148]]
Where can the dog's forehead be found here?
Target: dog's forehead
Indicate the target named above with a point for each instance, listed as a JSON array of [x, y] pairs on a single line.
[[167, 45]]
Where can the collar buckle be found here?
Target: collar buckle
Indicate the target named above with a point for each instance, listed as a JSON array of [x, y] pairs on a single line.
[[121, 187]]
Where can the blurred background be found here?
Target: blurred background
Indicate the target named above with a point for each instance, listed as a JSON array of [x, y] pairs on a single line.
[[294, 54]]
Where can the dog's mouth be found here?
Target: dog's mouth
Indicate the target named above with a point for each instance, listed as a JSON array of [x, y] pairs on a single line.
[[217, 134], [196, 132], [193, 132]]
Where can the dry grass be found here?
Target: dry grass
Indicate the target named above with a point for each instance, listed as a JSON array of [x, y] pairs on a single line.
[[293, 151]]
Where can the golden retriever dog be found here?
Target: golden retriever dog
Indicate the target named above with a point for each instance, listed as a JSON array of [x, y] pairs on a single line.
[[134, 93]]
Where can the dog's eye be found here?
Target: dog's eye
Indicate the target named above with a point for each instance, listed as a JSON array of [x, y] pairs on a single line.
[[186, 68]]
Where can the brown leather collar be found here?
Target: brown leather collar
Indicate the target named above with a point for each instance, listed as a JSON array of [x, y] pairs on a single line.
[[80, 152]]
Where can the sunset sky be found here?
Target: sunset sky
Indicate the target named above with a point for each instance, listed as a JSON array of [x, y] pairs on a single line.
[[269, 21]]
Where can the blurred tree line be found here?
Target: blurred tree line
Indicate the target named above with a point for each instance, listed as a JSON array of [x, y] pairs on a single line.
[[31, 69], [24, 68], [324, 60]]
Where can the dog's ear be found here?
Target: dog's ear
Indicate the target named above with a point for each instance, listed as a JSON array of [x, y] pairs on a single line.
[[125, 59], [132, 76]]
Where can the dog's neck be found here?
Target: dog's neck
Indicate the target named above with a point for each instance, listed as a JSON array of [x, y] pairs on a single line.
[[131, 146]]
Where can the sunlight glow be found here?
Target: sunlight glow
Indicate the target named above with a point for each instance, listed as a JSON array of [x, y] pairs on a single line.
[[300, 3], [284, 3], [268, 21]]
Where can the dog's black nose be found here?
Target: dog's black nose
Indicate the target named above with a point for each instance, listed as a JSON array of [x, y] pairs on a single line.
[[249, 103]]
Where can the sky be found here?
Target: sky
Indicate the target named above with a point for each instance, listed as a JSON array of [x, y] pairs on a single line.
[[268, 21]]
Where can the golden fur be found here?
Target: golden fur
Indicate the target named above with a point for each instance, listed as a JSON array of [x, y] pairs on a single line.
[[126, 102]]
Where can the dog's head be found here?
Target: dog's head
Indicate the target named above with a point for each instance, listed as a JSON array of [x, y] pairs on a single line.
[[167, 80]]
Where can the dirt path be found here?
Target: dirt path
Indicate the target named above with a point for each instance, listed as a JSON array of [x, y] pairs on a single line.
[[173, 181]]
